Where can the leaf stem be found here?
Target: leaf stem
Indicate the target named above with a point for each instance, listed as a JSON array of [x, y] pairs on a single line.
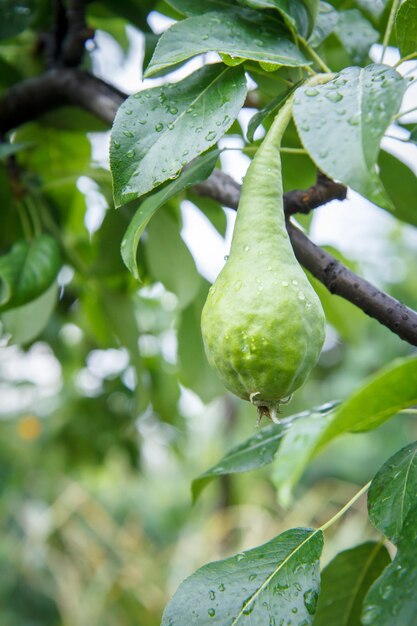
[[401, 113], [24, 220], [397, 138], [347, 506], [409, 57], [390, 26], [322, 65]]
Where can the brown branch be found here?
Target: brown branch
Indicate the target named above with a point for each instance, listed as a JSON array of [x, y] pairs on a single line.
[[77, 34], [34, 97]]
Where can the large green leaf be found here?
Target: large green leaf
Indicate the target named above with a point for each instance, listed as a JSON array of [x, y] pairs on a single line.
[[391, 601], [158, 131], [345, 581], [383, 395], [238, 32], [198, 171], [356, 34], [400, 183], [277, 582], [27, 271], [169, 259], [393, 492], [25, 323], [342, 122], [406, 27]]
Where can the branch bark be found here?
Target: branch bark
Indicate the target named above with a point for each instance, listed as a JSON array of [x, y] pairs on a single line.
[[67, 86]]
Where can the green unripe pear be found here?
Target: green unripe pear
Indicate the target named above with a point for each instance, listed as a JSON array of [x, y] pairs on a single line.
[[262, 323]]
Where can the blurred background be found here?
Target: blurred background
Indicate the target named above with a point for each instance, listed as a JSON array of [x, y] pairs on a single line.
[[102, 433]]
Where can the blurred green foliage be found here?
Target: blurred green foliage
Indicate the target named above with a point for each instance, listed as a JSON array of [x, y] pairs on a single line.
[[109, 413]]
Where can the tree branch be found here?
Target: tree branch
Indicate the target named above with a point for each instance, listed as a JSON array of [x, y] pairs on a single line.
[[35, 97]]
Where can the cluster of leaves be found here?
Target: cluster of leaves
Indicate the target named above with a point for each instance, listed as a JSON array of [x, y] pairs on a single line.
[[164, 141]]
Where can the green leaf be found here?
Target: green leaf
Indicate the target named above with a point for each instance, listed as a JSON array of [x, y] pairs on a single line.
[[345, 581], [27, 271], [238, 32], [393, 492], [260, 449], [59, 154], [325, 24], [6, 149], [341, 124], [157, 131], [25, 323], [406, 27], [296, 448], [400, 183], [261, 115], [169, 259], [299, 16], [198, 171], [255, 452], [391, 601], [15, 17], [383, 395], [356, 34], [265, 585], [195, 372], [199, 7]]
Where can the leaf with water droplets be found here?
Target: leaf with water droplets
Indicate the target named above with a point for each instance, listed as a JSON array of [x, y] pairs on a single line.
[[279, 580], [393, 491], [171, 125], [345, 581], [235, 31], [346, 120], [198, 171], [256, 451], [391, 601]]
